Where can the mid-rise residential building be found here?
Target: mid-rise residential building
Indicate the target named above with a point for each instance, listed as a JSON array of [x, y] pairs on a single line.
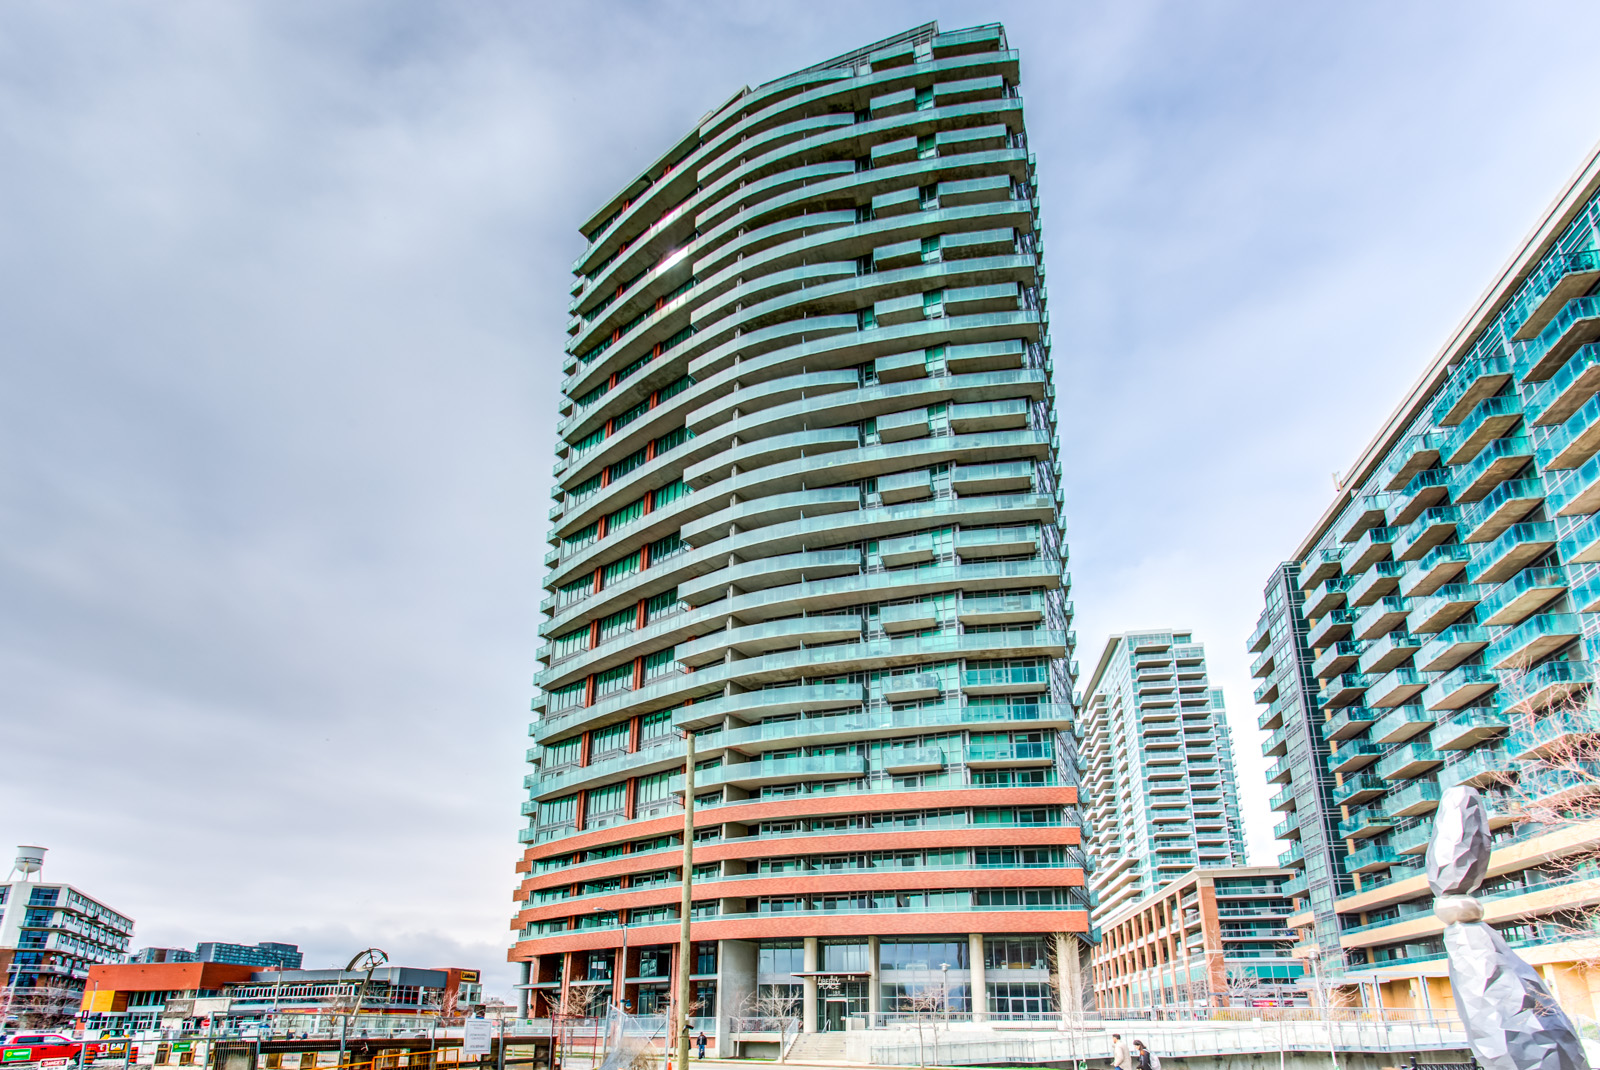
[[807, 508], [1438, 626], [1159, 768], [283, 956], [1211, 938], [50, 936]]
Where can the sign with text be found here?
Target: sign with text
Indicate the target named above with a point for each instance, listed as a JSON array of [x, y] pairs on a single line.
[[477, 1036]]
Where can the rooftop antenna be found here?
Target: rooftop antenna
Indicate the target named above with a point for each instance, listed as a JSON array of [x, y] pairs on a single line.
[[30, 860]]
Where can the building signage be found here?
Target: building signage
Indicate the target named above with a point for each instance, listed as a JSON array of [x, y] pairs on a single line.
[[476, 1036]]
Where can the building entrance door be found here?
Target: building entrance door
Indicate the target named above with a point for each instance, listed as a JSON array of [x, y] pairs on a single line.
[[834, 1010]]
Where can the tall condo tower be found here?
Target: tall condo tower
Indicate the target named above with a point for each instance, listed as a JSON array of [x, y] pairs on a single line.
[[1439, 625], [807, 507], [1160, 768]]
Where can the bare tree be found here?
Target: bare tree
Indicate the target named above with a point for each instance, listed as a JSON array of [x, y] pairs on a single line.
[[927, 1006], [770, 1005], [1554, 786]]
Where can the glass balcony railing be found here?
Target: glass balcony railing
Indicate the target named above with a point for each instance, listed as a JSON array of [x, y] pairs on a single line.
[[1468, 727], [1579, 494], [1574, 441], [1318, 566], [1533, 737], [1498, 460], [1330, 628], [1368, 821], [1469, 383], [1428, 487], [1449, 648], [1371, 857], [1416, 797], [1442, 608], [1396, 687], [1381, 616], [1325, 596], [1546, 684], [1459, 687], [1560, 273], [1348, 721], [1435, 568], [1502, 507], [1478, 767], [1538, 359], [1400, 724], [1354, 756], [1408, 761], [1379, 580], [1434, 526], [1565, 391], [1582, 544], [1365, 512], [1373, 545], [1494, 562], [1410, 457], [1520, 595], [1337, 658], [1345, 689], [1413, 840], [1532, 640], [1489, 419]]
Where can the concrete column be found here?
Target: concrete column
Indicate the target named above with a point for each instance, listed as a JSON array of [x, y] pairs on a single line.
[[809, 1002], [736, 987], [872, 982], [978, 987], [1427, 997], [526, 973]]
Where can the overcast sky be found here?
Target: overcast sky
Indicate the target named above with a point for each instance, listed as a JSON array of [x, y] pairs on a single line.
[[282, 297]]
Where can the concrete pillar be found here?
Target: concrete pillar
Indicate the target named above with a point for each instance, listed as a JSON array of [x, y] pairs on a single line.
[[1427, 997], [872, 982], [809, 1000], [978, 987], [736, 987], [526, 973]]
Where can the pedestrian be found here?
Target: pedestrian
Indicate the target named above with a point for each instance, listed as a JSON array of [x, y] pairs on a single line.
[[701, 1041], [1120, 1059], [1144, 1057]]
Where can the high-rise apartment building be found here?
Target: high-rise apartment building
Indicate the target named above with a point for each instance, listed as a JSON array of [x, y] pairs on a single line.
[[807, 508], [1428, 624], [1160, 787], [281, 956]]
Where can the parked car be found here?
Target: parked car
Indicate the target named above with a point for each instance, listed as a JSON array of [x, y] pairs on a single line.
[[39, 1049]]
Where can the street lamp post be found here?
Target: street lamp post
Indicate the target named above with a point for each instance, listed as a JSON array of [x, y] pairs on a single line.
[[1314, 953]]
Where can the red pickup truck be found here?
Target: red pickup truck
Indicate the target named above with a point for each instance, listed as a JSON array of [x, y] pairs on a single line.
[[39, 1049]]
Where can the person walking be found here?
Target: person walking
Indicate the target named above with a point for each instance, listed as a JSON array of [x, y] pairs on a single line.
[[701, 1042], [1121, 1059], [1144, 1058]]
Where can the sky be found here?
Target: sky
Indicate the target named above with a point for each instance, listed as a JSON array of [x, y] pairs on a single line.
[[283, 292]]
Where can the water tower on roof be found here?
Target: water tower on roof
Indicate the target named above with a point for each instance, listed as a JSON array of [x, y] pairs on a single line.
[[30, 860]]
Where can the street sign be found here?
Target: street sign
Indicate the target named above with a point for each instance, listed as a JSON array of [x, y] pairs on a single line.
[[477, 1036]]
